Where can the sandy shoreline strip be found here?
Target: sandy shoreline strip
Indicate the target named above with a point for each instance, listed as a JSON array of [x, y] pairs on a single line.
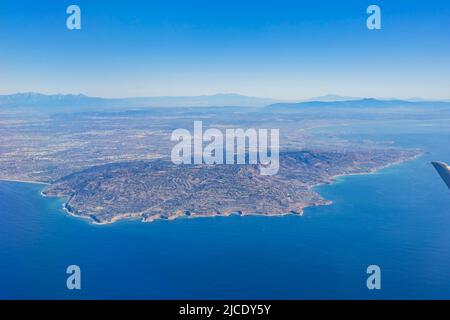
[[24, 181]]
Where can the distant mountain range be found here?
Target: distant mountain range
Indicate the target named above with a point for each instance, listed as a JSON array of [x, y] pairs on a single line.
[[32, 99], [82, 102], [359, 103], [331, 97]]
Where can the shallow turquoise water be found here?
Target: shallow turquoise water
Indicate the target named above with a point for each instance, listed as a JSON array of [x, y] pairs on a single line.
[[398, 219]]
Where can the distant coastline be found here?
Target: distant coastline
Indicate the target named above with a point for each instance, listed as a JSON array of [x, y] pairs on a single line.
[[335, 178], [24, 181]]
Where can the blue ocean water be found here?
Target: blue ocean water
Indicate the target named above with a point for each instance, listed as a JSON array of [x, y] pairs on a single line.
[[398, 218]]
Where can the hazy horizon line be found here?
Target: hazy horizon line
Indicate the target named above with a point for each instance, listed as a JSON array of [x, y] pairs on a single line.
[[300, 99]]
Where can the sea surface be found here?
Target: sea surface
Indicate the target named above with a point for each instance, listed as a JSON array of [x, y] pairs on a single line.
[[398, 219]]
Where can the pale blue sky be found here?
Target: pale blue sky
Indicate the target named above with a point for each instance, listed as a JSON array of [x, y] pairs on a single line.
[[281, 49]]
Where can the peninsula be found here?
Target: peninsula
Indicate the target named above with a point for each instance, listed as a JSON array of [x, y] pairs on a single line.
[[159, 189]]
